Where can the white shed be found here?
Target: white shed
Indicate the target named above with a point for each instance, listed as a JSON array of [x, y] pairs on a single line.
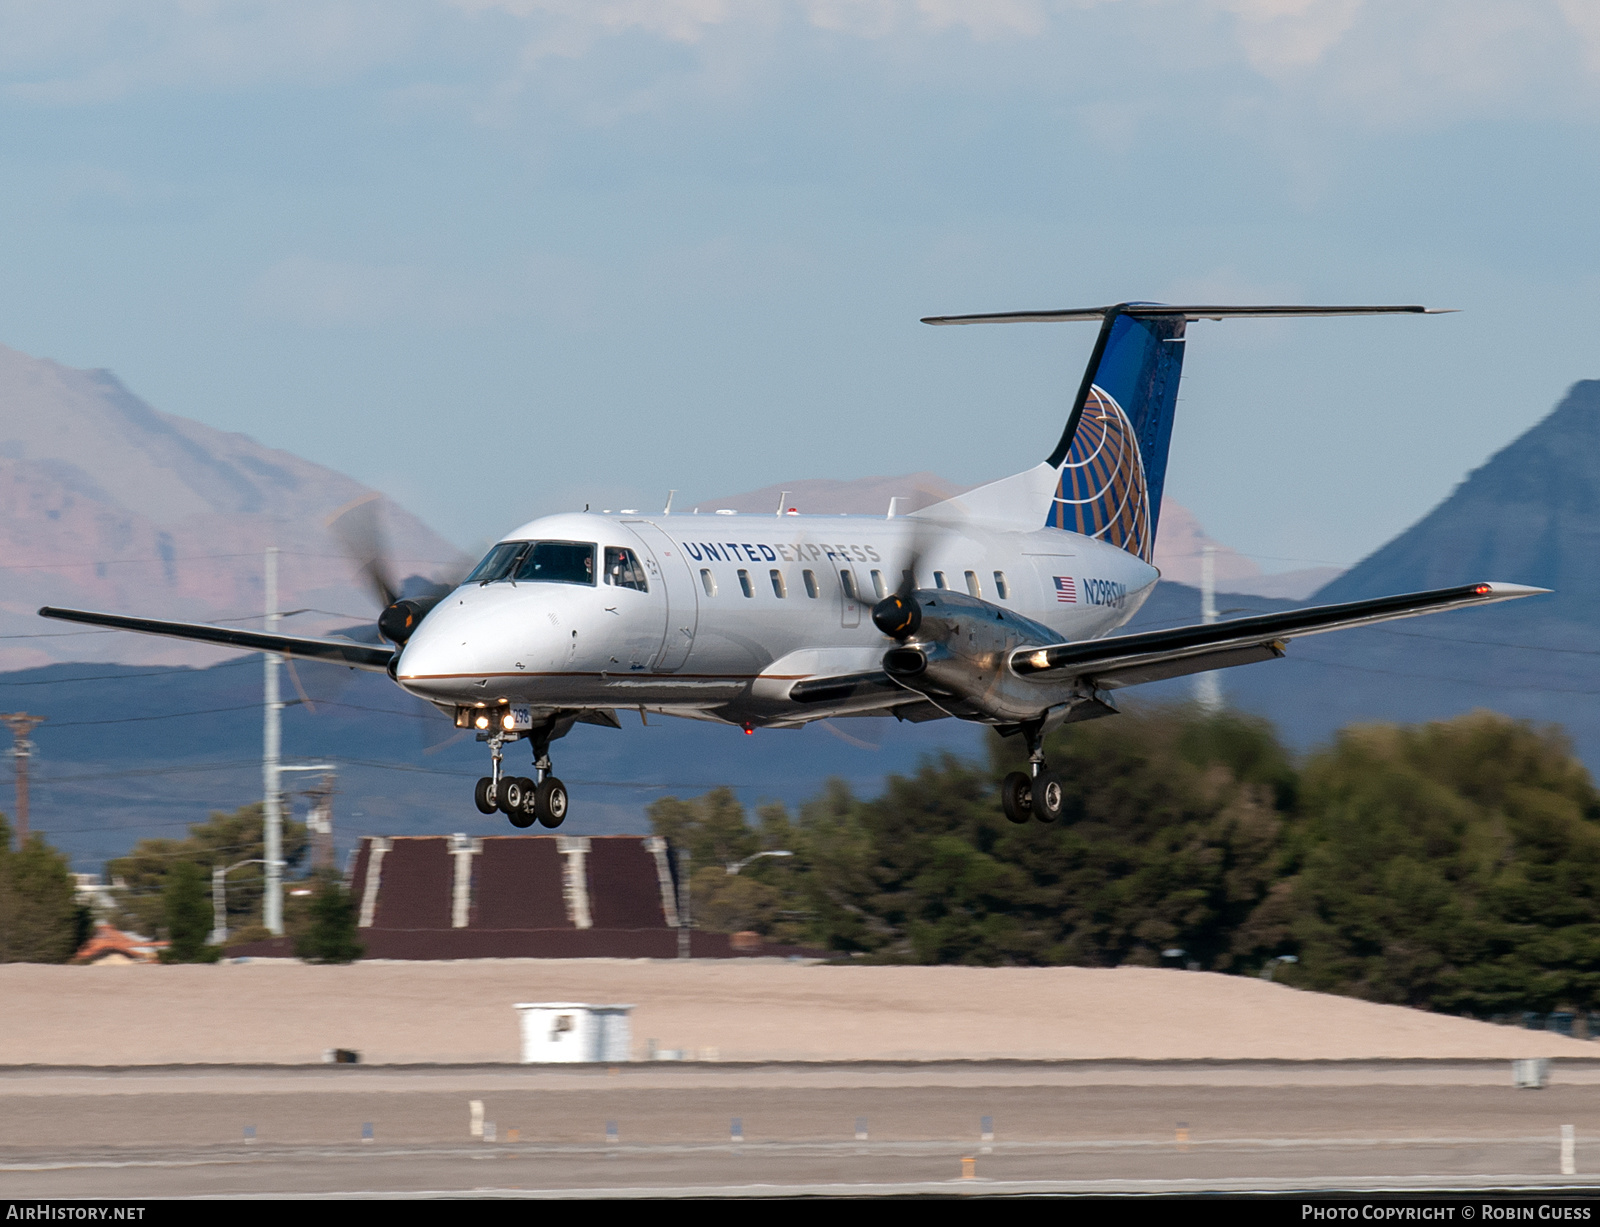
[[573, 1031]]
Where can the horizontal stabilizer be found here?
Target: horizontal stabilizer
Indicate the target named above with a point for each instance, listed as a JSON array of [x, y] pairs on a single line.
[[1126, 660], [371, 657], [1083, 314]]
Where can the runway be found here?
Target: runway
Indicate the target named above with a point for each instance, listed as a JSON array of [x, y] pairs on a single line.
[[667, 1130]]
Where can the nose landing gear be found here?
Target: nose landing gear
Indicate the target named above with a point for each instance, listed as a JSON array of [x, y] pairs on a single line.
[[523, 800]]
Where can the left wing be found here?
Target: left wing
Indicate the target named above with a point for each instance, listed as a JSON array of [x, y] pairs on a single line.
[[372, 657], [1127, 660]]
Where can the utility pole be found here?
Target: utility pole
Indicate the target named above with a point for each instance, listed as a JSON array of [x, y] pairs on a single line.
[[21, 724], [319, 821], [271, 756], [1208, 686]]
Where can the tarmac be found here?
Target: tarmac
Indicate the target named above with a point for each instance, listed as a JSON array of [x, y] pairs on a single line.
[[814, 1129]]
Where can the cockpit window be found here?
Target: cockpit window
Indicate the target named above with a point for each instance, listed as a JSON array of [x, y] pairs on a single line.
[[623, 569], [497, 563], [557, 562]]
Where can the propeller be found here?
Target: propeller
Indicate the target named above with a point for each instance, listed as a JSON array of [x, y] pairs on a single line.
[[899, 615], [357, 529]]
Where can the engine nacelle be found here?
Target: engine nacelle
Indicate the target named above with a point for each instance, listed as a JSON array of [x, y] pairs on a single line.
[[957, 656]]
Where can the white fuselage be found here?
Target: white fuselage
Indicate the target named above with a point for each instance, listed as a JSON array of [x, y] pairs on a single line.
[[739, 608]]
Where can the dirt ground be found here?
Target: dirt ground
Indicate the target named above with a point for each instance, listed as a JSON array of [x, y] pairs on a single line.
[[730, 1010]]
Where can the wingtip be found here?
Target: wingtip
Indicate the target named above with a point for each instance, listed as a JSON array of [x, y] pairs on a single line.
[[1502, 590]]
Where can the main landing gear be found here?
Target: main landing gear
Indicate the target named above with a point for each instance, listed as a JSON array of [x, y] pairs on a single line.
[[1037, 793], [542, 799]]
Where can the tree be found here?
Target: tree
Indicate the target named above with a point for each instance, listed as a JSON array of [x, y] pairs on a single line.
[[327, 932], [714, 830], [41, 920], [187, 913], [1453, 865], [224, 840], [1173, 839]]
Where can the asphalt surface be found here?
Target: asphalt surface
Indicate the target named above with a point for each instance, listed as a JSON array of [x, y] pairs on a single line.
[[1057, 1128]]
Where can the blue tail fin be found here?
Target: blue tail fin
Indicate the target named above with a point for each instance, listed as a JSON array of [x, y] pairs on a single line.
[[1113, 453], [1112, 458]]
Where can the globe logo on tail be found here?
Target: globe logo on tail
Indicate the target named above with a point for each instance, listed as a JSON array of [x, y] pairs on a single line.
[[1102, 490]]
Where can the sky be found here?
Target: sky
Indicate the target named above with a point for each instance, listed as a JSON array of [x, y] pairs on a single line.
[[504, 257]]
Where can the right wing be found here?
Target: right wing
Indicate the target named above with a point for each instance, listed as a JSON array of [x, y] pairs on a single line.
[[1128, 660], [374, 658]]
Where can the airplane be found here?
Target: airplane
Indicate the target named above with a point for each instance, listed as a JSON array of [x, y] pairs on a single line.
[[995, 606]]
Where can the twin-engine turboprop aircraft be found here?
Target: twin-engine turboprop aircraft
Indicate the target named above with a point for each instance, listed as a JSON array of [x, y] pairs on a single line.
[[994, 607]]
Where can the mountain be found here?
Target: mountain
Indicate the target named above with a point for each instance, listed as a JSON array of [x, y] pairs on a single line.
[[107, 503], [1530, 514]]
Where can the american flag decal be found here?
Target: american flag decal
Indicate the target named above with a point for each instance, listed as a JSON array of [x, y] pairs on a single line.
[[1066, 590]]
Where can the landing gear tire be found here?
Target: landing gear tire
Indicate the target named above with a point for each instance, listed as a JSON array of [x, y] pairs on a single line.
[[483, 796], [515, 793], [1016, 797], [550, 802], [522, 814], [1049, 796]]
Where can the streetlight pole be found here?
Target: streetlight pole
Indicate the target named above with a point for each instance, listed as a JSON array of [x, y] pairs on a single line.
[[733, 867], [219, 900]]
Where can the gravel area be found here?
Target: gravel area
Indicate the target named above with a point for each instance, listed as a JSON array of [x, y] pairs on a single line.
[[732, 1010]]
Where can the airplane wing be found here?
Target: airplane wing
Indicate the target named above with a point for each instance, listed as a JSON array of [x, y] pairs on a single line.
[[372, 657], [1128, 660]]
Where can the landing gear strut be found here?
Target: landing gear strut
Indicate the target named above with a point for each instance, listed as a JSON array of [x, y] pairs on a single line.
[[525, 801], [1039, 793]]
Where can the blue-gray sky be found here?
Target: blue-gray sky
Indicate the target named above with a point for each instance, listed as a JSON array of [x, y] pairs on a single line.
[[499, 257]]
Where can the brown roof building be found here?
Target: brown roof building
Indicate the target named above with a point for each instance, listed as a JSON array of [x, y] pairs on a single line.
[[521, 896]]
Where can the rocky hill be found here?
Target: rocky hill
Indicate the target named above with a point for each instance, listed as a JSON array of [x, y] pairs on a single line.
[[1530, 514], [107, 503]]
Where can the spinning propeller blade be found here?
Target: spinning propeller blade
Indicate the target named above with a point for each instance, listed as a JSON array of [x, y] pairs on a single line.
[[356, 528]]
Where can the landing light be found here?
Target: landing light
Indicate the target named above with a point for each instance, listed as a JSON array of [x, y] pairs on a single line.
[[1040, 660], [481, 721]]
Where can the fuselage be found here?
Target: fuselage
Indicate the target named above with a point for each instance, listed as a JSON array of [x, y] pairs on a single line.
[[717, 616]]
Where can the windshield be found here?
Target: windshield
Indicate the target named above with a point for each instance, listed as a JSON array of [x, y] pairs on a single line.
[[497, 563], [557, 562]]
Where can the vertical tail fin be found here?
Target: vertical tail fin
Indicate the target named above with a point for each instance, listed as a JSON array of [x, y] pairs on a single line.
[[1113, 453], [1111, 461]]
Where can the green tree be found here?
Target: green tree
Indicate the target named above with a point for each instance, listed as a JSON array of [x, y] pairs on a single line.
[[225, 840], [41, 920], [1453, 865], [1174, 837], [327, 931], [187, 912], [714, 829]]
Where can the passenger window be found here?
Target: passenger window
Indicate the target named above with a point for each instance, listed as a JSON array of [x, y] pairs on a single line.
[[708, 581], [557, 562], [779, 588], [938, 580], [623, 570], [849, 582], [877, 585], [974, 588], [744, 582], [1000, 584], [811, 583], [497, 563]]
